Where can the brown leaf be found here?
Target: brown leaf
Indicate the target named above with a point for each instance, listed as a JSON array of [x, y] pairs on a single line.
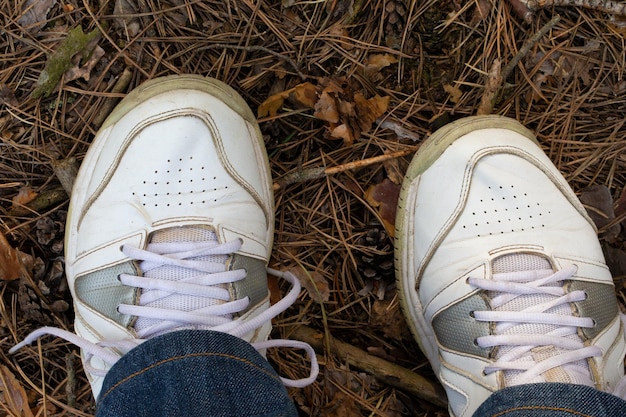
[[35, 13], [84, 71], [598, 201], [326, 108], [314, 283], [620, 204], [12, 394], [304, 94], [615, 260], [392, 168], [24, 196], [376, 62], [385, 315], [10, 266], [337, 30], [455, 93], [384, 197], [369, 110], [272, 104], [7, 96], [344, 132], [342, 405], [483, 7]]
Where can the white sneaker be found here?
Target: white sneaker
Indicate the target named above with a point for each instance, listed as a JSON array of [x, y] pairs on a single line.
[[170, 224], [500, 272]]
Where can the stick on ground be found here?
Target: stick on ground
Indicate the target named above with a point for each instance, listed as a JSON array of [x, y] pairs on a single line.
[[387, 372]]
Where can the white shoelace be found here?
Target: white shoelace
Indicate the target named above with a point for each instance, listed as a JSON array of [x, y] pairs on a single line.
[[209, 284], [570, 351]]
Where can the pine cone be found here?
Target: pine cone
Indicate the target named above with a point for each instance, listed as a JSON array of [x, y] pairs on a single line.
[[394, 24], [375, 261]]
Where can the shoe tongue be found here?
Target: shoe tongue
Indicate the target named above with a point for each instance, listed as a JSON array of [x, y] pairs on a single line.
[[527, 262], [174, 273]]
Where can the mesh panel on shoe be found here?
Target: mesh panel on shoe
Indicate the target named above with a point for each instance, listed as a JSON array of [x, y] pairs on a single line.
[[466, 330], [251, 286], [527, 262], [174, 273], [102, 291], [601, 305]]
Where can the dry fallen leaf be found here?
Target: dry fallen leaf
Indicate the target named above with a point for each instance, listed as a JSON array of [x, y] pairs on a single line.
[[368, 110], [10, 266], [35, 13], [384, 197], [620, 204], [341, 405], [598, 201], [483, 7], [24, 196], [343, 132], [326, 108], [271, 105], [7, 95], [314, 283], [385, 315], [615, 260], [376, 62], [84, 71], [347, 114], [455, 93], [304, 94], [12, 394]]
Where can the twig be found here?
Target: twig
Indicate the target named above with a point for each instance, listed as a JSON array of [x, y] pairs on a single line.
[[70, 387], [66, 171], [607, 6], [492, 87], [321, 172], [496, 77], [42, 202], [506, 71], [387, 372], [120, 87], [253, 48]]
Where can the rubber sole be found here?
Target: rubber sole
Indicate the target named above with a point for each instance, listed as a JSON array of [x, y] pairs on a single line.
[[161, 85]]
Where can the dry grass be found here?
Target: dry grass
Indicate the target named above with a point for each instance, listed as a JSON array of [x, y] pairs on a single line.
[[569, 88]]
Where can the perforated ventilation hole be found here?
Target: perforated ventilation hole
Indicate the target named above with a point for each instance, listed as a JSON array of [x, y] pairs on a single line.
[[181, 173], [504, 209]]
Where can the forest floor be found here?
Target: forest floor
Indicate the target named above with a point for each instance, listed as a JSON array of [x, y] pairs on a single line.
[[345, 92]]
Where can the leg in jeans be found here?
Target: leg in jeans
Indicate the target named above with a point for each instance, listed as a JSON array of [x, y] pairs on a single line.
[[552, 400], [193, 373]]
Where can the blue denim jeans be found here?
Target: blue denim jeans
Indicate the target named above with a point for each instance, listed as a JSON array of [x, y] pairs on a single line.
[[194, 373], [203, 373], [551, 400]]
